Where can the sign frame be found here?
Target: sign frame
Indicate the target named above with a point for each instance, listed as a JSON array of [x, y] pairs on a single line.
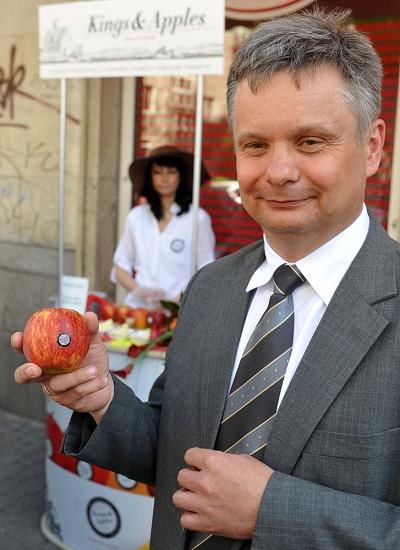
[[116, 38]]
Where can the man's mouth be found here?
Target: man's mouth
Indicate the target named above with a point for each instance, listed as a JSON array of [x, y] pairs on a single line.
[[285, 202]]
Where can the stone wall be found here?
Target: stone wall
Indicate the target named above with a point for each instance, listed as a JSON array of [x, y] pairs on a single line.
[[28, 281]]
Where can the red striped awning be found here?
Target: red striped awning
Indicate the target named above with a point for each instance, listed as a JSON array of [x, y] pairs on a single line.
[[262, 9]]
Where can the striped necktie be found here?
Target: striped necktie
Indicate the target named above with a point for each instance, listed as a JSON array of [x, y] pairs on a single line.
[[252, 402]]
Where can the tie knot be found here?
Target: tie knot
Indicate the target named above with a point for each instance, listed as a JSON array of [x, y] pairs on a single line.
[[287, 278]]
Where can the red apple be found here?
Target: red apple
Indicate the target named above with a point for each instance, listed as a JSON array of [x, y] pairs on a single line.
[[56, 339], [121, 313], [158, 317], [106, 310], [157, 330]]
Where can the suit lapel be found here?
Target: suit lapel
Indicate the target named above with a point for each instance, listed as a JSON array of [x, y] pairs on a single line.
[[347, 331], [215, 380]]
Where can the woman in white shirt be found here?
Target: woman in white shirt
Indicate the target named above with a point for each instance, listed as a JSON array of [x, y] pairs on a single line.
[[153, 258]]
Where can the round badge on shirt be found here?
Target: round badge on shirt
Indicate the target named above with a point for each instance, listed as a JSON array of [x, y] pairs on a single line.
[[177, 245]]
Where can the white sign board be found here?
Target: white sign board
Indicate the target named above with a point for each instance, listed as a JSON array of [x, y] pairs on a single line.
[[109, 38], [74, 293]]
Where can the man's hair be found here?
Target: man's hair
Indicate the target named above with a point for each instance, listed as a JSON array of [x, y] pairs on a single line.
[[304, 41]]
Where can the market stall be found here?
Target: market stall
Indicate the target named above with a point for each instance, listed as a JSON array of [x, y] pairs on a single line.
[[88, 507]]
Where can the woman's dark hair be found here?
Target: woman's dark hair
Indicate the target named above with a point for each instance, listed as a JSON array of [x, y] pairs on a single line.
[[183, 193]]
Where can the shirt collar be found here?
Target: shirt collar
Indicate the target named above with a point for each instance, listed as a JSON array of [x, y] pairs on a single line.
[[325, 267]]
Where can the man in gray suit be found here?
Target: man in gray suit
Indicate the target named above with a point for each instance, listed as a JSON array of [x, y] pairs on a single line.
[[304, 103]]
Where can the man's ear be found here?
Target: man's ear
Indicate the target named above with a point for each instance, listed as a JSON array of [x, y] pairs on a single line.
[[375, 140]]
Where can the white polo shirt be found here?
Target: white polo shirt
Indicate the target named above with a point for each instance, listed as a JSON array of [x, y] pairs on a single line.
[[162, 259]]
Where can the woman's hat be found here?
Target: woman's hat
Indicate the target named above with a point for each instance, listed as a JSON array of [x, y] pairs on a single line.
[[137, 169]]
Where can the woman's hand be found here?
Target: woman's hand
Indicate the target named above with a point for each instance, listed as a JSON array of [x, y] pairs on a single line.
[[89, 388], [148, 294]]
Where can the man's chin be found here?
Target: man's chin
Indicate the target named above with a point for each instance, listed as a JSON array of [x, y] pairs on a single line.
[[286, 227]]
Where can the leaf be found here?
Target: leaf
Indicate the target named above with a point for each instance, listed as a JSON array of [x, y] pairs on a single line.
[[173, 307], [162, 338]]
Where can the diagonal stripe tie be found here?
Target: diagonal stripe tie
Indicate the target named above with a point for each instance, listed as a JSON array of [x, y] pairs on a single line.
[[251, 405]]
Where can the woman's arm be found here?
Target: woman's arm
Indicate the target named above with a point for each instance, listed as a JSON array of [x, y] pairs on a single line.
[[125, 279]]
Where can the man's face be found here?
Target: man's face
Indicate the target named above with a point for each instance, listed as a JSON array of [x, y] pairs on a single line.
[[300, 169]]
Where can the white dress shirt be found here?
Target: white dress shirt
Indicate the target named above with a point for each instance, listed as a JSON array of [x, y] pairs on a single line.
[[162, 259], [323, 269]]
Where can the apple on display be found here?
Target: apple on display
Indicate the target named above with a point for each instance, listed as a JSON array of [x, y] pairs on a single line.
[[56, 339]]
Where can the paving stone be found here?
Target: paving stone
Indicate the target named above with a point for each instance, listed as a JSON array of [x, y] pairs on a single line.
[[22, 483]]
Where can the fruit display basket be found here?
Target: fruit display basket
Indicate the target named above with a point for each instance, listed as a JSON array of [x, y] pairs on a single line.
[[135, 332]]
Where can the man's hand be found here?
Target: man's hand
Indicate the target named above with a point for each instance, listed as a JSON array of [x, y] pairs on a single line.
[[221, 492], [89, 388]]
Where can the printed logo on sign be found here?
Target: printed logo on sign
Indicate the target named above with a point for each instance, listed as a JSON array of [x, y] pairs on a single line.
[[125, 482], [177, 245], [103, 517], [64, 339], [84, 470]]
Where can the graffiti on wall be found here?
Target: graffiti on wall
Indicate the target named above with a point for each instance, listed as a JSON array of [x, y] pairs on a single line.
[[18, 184], [11, 79], [29, 157]]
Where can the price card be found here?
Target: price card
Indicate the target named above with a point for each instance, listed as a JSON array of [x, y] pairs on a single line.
[[74, 292]]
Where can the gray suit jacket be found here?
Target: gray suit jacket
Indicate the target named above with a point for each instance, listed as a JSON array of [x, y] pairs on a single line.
[[335, 444]]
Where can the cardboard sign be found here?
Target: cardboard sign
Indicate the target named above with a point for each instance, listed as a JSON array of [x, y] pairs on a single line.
[[115, 38], [74, 293]]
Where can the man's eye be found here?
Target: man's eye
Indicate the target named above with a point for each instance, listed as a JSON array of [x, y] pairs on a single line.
[[254, 145], [310, 142]]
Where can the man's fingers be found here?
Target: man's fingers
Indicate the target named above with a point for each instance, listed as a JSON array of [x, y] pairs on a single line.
[[195, 522], [16, 341], [194, 457], [27, 373], [60, 383], [202, 458], [56, 383], [188, 478], [92, 322], [185, 500], [193, 517], [76, 395]]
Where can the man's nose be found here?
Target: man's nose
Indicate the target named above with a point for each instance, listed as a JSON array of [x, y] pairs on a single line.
[[281, 166]]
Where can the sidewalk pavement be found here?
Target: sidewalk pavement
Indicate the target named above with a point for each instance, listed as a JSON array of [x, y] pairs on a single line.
[[22, 483]]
